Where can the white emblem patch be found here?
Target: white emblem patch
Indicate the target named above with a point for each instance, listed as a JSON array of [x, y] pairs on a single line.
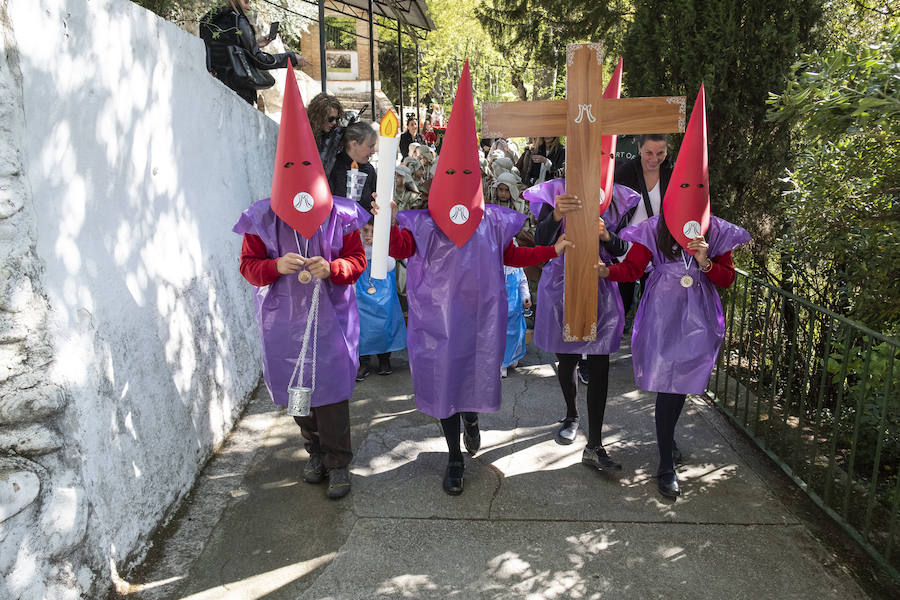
[[459, 214], [303, 202]]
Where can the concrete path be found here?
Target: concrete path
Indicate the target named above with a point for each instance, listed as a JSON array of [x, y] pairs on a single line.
[[533, 521]]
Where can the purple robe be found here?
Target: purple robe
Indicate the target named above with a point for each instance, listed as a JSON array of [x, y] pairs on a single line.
[[548, 323], [678, 331], [457, 312], [282, 307]]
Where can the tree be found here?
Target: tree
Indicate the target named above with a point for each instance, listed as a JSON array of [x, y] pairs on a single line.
[[459, 36], [740, 51], [531, 36], [842, 209]]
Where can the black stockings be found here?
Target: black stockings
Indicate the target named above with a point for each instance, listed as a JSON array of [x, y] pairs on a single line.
[[668, 409], [451, 428], [598, 381]]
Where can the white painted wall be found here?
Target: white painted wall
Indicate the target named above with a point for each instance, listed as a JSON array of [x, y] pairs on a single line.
[[131, 164]]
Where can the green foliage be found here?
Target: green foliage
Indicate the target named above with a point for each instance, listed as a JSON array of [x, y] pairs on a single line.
[[872, 396], [340, 33], [739, 51], [459, 36], [842, 209], [531, 36]]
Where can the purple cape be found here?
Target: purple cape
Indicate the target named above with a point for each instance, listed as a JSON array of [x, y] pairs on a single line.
[[678, 331], [457, 312], [282, 307], [548, 324]]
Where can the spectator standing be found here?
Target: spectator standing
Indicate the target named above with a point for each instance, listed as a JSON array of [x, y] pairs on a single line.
[[228, 25], [325, 113], [359, 143], [410, 135]]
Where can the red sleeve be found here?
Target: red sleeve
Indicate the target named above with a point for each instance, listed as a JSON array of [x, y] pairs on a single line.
[[351, 262], [632, 268], [402, 243], [256, 266], [722, 272], [517, 256]]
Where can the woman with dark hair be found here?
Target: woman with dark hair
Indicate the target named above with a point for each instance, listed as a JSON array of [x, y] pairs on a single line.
[[353, 176], [325, 113], [228, 25], [410, 135], [649, 175]]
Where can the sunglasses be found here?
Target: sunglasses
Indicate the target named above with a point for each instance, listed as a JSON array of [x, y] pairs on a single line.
[[332, 119]]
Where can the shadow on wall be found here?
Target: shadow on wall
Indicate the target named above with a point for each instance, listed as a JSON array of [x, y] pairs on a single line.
[[138, 163]]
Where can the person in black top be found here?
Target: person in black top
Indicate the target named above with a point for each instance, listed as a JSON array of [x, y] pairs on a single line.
[[228, 25], [359, 143], [409, 136], [550, 152], [648, 174]]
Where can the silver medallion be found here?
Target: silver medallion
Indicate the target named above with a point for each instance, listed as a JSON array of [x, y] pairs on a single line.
[[304, 276], [687, 281]]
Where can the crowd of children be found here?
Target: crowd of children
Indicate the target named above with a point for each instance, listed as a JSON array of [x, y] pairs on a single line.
[[455, 259]]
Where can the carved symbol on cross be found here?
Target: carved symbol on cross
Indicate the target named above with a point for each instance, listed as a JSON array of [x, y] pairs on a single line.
[[584, 117], [585, 109]]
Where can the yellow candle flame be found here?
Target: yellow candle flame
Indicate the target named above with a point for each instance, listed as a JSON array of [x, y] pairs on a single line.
[[389, 124]]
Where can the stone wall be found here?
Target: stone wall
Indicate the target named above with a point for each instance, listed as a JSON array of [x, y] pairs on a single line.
[[127, 341]]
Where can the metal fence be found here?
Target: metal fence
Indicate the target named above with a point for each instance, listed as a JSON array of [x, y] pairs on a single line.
[[821, 395]]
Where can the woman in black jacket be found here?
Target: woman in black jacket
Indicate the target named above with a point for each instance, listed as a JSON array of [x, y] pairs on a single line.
[[648, 174], [228, 25], [551, 152], [359, 143]]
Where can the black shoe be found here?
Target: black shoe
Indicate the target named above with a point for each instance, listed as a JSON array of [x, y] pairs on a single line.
[[599, 459], [384, 366], [582, 374], [567, 431], [668, 485], [338, 482], [677, 457], [471, 436], [363, 372], [453, 478], [314, 470]]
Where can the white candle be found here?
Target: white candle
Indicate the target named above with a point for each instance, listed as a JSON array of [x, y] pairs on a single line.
[[388, 142]]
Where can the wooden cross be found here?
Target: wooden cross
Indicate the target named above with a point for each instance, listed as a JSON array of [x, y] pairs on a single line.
[[583, 117]]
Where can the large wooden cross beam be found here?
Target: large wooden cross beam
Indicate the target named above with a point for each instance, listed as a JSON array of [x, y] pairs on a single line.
[[583, 117]]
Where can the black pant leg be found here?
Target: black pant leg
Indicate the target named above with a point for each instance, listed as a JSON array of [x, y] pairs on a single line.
[[566, 374], [333, 433], [597, 390], [451, 429], [309, 429], [668, 409]]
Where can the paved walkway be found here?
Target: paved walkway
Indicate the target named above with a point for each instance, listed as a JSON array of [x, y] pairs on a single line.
[[532, 523]]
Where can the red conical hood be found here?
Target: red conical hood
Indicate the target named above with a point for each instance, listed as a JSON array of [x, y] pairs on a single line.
[[608, 142], [456, 200], [686, 205], [300, 193]]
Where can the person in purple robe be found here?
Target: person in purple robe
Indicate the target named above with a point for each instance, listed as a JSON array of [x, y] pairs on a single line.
[[272, 256], [302, 250], [679, 325], [677, 331], [551, 203], [456, 288], [456, 333]]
